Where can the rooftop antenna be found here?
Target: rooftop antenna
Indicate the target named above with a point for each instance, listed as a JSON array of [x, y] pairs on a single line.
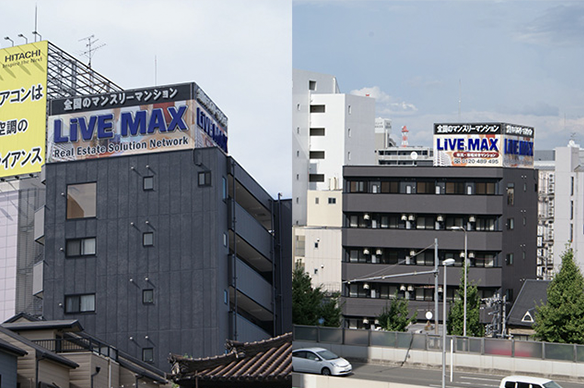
[[459, 96], [35, 32], [90, 48]]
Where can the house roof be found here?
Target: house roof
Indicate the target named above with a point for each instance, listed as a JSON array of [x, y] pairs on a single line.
[[71, 325], [8, 347], [41, 352], [267, 363], [533, 293]]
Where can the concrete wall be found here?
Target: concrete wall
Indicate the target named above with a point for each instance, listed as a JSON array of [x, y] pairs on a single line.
[[462, 361]]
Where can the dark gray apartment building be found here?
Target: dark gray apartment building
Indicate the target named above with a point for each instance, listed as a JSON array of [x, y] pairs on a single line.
[[166, 252], [392, 216]]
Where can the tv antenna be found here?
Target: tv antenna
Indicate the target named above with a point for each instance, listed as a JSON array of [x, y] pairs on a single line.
[[90, 47]]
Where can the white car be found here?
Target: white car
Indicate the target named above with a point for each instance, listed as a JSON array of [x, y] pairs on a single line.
[[527, 382], [319, 360]]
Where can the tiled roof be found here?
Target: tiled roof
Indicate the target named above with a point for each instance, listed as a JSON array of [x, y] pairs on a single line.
[[266, 363]]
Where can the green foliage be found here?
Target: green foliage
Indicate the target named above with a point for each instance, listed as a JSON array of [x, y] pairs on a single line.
[[455, 320], [561, 319], [311, 305], [395, 317]]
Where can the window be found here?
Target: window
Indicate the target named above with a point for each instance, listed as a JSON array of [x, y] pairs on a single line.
[[311, 85], [316, 154], [317, 109], [316, 178], [510, 194], [510, 223], [80, 247], [81, 200], [316, 131], [205, 178], [79, 303], [316, 200], [148, 239], [485, 188], [148, 183], [454, 188], [224, 182], [509, 259], [356, 187], [332, 200], [390, 187], [148, 296], [425, 188], [148, 355]]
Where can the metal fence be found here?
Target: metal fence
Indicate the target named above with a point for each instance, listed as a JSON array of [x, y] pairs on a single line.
[[431, 342], [75, 344]]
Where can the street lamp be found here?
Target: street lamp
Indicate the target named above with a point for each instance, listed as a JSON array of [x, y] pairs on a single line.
[[24, 37], [445, 263], [465, 275], [11, 41]]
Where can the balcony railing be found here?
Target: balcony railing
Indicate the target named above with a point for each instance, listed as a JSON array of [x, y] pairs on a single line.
[[78, 344]]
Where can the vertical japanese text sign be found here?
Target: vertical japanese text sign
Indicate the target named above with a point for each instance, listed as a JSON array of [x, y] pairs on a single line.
[[23, 108]]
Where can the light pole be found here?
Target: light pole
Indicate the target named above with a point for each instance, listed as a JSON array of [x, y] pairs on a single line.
[[465, 275], [445, 263], [11, 41]]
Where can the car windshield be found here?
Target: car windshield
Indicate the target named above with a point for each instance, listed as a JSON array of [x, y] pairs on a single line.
[[328, 355], [552, 384]]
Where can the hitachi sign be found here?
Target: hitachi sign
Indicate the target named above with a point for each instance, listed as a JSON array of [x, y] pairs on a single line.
[[131, 124], [459, 144]]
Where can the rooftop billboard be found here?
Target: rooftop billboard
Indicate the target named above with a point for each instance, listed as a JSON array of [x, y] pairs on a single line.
[[23, 108], [165, 118], [483, 144]]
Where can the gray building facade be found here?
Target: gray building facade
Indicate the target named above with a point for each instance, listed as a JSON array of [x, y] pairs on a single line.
[[392, 216], [170, 252]]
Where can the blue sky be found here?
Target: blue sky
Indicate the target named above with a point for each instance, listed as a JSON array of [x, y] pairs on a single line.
[[239, 52], [510, 61]]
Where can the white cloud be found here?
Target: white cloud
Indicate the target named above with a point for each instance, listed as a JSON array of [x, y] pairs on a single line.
[[386, 105]]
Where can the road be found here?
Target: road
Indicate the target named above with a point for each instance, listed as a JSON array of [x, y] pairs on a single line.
[[431, 377]]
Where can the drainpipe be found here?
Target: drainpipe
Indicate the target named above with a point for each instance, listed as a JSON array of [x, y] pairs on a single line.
[[97, 369]]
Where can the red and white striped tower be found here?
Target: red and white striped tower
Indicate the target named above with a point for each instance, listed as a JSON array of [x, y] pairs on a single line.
[[404, 132]]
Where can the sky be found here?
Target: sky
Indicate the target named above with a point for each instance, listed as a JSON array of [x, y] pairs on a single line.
[[239, 52], [429, 62]]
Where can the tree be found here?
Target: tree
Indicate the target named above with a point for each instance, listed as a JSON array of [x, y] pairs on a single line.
[[312, 306], [561, 319], [455, 320], [395, 317]]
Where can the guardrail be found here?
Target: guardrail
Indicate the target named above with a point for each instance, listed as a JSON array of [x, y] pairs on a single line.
[[67, 345], [431, 342]]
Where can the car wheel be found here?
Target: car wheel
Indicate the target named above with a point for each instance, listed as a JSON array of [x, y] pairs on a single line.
[[326, 371]]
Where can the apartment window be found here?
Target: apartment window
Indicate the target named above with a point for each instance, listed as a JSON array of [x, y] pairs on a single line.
[[316, 131], [390, 187], [205, 178], [316, 200], [148, 183], [79, 303], [81, 200], [510, 194], [80, 247], [571, 210], [425, 188], [509, 259], [317, 109], [297, 154], [356, 187], [311, 85], [224, 188], [572, 186], [332, 201], [148, 296], [316, 178], [148, 239], [485, 188], [454, 188], [316, 154], [510, 223], [349, 109], [148, 355]]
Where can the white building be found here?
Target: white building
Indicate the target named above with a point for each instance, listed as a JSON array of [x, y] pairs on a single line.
[[561, 207], [330, 129]]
